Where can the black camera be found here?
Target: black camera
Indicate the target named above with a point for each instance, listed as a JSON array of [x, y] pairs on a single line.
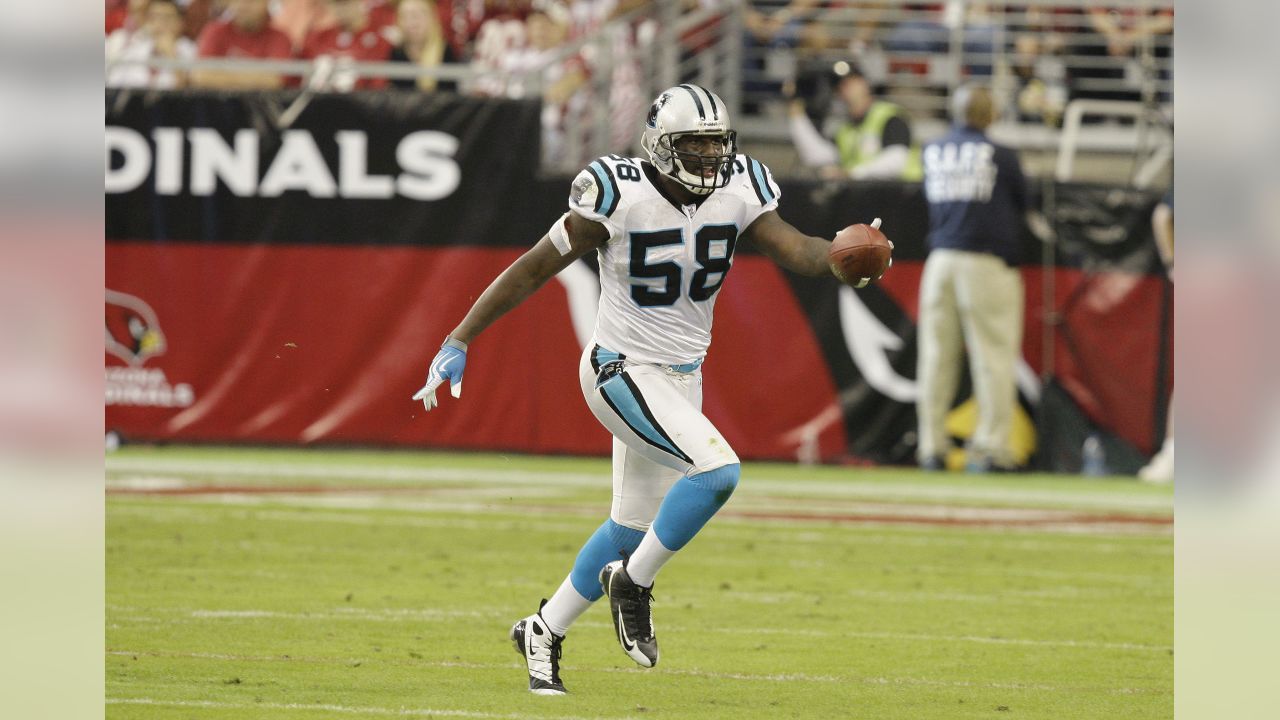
[[816, 81]]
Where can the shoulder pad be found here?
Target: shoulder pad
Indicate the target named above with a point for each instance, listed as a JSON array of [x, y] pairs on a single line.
[[596, 188], [759, 176]]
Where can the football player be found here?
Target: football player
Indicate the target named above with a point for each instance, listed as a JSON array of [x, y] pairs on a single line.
[[665, 229]]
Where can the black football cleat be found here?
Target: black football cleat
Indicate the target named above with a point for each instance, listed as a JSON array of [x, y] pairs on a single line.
[[629, 606]]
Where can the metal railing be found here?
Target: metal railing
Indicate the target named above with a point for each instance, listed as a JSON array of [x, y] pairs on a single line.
[[917, 52], [915, 56], [630, 59]]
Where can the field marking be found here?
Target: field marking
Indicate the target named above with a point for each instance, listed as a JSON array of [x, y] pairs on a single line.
[[853, 487], [329, 708], [399, 615], [688, 672], [922, 637], [1008, 597], [967, 517], [780, 533], [375, 497]]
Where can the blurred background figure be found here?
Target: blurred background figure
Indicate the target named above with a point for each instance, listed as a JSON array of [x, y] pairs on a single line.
[[300, 18], [868, 138], [769, 42], [160, 36], [246, 32], [1040, 83], [127, 15], [197, 13], [421, 40], [971, 293], [352, 38], [561, 78], [1160, 468], [1124, 39], [499, 34], [619, 46]]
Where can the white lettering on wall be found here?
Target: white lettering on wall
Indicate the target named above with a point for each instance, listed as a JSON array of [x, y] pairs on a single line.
[[213, 160], [427, 156], [428, 170], [353, 162], [298, 166], [136, 159], [168, 160]]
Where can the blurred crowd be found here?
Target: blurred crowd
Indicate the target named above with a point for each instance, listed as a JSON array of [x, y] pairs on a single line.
[[798, 61], [1039, 56], [506, 36], [512, 48]]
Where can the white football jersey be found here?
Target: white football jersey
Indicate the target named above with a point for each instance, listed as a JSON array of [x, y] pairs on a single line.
[[664, 263]]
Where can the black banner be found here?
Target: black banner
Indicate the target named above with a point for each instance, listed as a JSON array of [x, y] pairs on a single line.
[[377, 168]]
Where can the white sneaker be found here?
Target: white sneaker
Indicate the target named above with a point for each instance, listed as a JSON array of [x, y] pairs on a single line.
[[541, 650], [1160, 468]]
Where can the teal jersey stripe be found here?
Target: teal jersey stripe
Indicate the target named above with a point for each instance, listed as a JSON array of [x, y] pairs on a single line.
[[608, 200], [762, 182]]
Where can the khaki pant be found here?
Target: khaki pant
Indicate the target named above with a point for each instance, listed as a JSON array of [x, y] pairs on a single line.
[[974, 300]]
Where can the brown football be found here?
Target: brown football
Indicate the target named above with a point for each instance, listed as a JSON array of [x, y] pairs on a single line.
[[859, 251]]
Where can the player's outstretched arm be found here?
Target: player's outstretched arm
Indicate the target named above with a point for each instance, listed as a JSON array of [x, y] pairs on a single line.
[[524, 276], [787, 246]]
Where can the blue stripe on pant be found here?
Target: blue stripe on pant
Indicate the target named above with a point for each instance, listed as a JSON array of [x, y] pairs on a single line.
[[625, 399]]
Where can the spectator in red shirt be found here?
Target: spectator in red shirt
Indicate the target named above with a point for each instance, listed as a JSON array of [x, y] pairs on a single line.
[[198, 13], [299, 18], [382, 13], [246, 34], [126, 14], [354, 37]]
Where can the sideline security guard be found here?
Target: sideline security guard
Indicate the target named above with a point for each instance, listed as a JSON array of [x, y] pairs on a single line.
[[971, 293]]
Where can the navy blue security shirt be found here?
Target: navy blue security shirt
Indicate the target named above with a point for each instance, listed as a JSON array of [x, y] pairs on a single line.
[[977, 194]]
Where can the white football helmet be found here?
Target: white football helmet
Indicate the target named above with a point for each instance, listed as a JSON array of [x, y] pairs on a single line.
[[690, 110]]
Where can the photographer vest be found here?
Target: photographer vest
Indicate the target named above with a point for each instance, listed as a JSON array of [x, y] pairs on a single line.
[[861, 142]]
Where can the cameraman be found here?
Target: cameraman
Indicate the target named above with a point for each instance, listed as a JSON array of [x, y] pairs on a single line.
[[871, 142]]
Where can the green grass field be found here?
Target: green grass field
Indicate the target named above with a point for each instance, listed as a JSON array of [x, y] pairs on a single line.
[[310, 583]]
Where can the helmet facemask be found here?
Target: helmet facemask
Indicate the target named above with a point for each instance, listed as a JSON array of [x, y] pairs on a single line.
[[699, 172]]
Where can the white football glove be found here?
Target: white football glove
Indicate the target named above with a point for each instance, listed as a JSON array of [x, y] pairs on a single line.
[[448, 364]]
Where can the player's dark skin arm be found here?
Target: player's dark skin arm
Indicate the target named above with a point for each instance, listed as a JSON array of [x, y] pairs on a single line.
[[787, 246], [528, 273]]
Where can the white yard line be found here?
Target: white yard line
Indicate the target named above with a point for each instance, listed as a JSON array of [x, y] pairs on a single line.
[[405, 615], [325, 708], [923, 637], [690, 672], [289, 509], [852, 488], [1001, 519]]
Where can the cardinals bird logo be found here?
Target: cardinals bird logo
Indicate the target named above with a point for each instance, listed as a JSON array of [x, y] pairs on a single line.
[[133, 331]]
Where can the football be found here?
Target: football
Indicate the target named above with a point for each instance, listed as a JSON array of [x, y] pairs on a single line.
[[859, 252]]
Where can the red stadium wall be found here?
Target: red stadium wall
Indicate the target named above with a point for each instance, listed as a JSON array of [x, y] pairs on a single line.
[[291, 286], [326, 344]]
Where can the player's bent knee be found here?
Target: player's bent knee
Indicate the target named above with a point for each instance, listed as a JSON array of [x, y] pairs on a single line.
[[722, 480]]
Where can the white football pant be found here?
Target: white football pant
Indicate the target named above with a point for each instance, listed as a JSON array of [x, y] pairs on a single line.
[[659, 431]]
